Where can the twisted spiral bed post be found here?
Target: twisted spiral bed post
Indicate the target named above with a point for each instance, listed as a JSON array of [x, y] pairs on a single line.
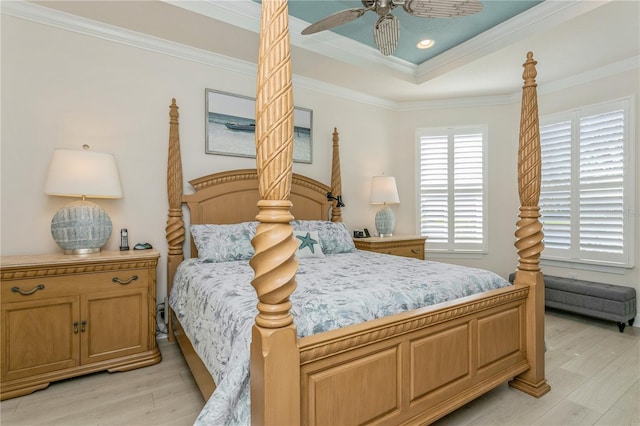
[[529, 234], [175, 231], [336, 180], [273, 346]]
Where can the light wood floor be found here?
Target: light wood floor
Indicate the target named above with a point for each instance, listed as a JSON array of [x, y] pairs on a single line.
[[593, 370]]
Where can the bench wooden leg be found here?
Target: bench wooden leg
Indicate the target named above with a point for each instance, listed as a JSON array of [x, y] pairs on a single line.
[[621, 326]]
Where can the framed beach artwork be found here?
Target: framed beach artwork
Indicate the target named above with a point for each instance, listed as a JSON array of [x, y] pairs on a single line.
[[230, 127]]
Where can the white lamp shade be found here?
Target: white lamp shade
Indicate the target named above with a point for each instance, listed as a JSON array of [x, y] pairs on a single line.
[[82, 227], [384, 190], [76, 173]]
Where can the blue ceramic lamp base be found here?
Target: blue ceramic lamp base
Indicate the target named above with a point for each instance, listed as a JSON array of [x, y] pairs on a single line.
[[81, 227], [385, 222]]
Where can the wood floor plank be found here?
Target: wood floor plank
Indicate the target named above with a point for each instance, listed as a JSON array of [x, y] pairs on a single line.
[[568, 413], [605, 387], [161, 394], [593, 370], [626, 411], [601, 354]]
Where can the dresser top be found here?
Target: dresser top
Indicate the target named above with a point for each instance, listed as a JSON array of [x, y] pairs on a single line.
[[65, 259]]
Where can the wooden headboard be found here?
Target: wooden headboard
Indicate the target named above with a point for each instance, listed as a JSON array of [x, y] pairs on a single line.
[[232, 197]]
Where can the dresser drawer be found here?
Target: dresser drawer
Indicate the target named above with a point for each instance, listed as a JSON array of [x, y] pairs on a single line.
[[20, 290]]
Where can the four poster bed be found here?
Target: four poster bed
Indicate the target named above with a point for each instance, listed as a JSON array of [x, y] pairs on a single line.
[[398, 363]]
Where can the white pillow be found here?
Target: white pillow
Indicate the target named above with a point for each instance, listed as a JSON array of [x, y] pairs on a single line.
[[308, 244]]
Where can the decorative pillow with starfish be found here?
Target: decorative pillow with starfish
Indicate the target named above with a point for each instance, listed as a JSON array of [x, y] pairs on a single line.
[[308, 244]]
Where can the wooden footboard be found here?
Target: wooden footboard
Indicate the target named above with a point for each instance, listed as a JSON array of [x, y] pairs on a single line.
[[417, 366]]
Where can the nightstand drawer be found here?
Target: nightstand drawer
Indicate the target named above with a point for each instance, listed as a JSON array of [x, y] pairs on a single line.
[[397, 245], [126, 278], [21, 290], [417, 252]]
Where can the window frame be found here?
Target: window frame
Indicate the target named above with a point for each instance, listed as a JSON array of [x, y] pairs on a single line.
[[575, 257], [451, 247]]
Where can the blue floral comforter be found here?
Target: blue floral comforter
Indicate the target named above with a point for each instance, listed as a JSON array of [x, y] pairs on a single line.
[[216, 305]]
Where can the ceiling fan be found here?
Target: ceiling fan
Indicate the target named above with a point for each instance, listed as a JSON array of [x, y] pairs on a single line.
[[386, 31]]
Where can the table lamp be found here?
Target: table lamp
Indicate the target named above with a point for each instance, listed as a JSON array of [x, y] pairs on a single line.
[[82, 226], [384, 191]]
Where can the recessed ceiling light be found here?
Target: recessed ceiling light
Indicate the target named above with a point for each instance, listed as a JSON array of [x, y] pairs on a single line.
[[425, 44]]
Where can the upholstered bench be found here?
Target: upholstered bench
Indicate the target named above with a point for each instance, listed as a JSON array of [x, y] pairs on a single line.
[[604, 301]]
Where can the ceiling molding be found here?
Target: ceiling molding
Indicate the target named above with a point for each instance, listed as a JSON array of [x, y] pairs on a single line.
[[479, 101], [246, 14], [588, 76], [51, 17], [542, 17], [65, 21]]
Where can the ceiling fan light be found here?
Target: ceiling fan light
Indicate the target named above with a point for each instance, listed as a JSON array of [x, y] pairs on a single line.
[[425, 44]]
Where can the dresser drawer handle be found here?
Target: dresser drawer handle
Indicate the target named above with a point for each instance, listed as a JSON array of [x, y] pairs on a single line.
[[415, 251], [119, 281], [28, 292]]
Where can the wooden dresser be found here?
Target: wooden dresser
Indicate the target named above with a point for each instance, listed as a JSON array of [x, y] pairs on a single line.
[[68, 315], [398, 245]]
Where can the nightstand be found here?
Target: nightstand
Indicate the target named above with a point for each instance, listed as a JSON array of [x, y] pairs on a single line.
[[398, 245], [69, 315]]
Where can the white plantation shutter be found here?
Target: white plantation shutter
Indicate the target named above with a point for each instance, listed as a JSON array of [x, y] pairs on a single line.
[[452, 193], [601, 184], [468, 189], [434, 188], [555, 194], [587, 186]]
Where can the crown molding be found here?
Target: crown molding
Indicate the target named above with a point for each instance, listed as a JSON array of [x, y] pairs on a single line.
[[586, 77], [68, 22], [51, 17], [614, 68], [544, 16], [246, 14]]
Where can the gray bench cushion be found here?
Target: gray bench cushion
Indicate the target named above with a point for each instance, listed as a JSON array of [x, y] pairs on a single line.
[[589, 288], [605, 301]]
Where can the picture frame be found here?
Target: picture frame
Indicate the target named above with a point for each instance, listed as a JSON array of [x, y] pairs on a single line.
[[230, 127]]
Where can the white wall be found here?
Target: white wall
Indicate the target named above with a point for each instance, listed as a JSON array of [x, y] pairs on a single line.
[[503, 123], [63, 89], [503, 128]]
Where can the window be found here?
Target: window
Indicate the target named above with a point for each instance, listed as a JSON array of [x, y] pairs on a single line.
[[452, 188], [587, 194]]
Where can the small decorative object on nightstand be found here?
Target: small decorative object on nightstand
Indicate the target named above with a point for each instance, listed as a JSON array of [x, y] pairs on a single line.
[[124, 239], [385, 192], [398, 245], [68, 315]]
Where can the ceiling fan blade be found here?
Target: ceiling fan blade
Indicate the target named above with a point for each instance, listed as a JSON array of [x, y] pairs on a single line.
[[442, 8], [331, 21], [386, 33]]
